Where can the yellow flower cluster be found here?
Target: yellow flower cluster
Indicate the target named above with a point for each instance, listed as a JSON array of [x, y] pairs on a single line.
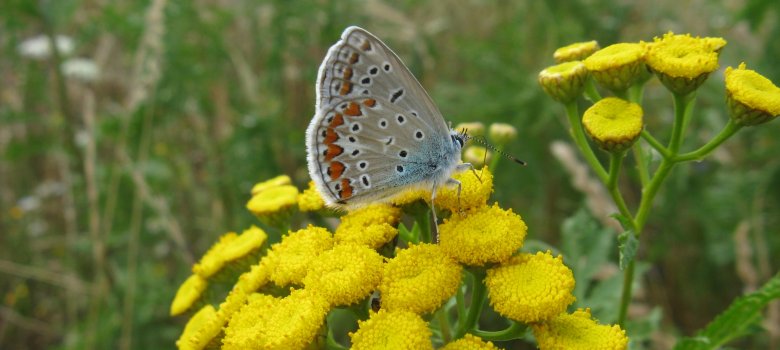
[[470, 342], [614, 124], [392, 330], [683, 62], [373, 225], [617, 66], [289, 260], [345, 274], [483, 235], [578, 331], [752, 98]]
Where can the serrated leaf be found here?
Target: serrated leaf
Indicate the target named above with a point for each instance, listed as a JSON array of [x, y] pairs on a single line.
[[735, 321], [628, 244], [625, 223]]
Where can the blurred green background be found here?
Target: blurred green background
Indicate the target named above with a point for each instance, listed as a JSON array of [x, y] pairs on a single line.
[[124, 154]]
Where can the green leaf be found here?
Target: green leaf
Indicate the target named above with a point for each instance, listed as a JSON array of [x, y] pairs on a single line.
[[628, 244], [735, 321]]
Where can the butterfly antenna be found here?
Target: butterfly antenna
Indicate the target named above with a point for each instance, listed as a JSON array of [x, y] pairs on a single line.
[[481, 140]]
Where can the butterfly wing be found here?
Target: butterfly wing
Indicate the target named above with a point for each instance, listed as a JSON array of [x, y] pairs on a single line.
[[376, 130]]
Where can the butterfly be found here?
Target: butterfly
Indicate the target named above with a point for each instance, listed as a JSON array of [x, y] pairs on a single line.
[[376, 132]]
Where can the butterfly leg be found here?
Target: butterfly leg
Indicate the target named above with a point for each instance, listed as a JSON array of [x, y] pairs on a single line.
[[453, 182], [435, 238]]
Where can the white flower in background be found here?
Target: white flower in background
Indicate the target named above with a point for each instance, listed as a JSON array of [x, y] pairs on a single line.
[[83, 69], [38, 47]]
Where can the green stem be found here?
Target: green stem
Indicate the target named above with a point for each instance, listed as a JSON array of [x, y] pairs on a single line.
[[729, 130], [460, 301], [478, 292], [649, 192], [641, 166], [682, 109], [622, 94], [653, 142], [579, 138], [331, 343], [591, 92], [514, 331], [615, 161], [636, 92], [625, 298], [444, 325]]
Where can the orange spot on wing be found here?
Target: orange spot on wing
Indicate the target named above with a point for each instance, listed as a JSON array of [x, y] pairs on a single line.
[[347, 73], [330, 136], [354, 58], [338, 119], [333, 151], [335, 170], [370, 102], [346, 189], [353, 110], [366, 46], [346, 88]]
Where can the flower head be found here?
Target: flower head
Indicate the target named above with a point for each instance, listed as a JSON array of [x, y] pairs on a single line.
[[256, 277], [564, 82], [310, 199], [213, 261], [578, 331], [683, 62], [618, 66], [485, 235], [614, 124], [189, 292], [752, 98], [345, 274], [289, 259], [470, 342], [576, 51], [195, 326], [278, 181], [268, 323], [476, 186], [249, 241], [502, 133], [530, 287], [398, 330], [272, 205], [419, 279], [372, 225]]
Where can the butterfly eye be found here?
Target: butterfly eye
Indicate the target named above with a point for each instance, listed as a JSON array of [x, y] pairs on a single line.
[[457, 139]]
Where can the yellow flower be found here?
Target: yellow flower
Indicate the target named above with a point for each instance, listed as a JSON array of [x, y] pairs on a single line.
[[683, 62], [373, 225], [245, 244], [530, 287], [485, 235], [564, 82], [419, 279], [345, 274], [614, 124], [578, 331], [618, 66], [397, 330], [257, 277], [410, 196], [502, 133], [189, 292], [475, 189], [196, 324], [473, 129], [470, 342], [478, 156], [273, 205], [576, 51], [752, 98], [213, 261], [310, 199], [268, 323], [280, 180], [289, 260]]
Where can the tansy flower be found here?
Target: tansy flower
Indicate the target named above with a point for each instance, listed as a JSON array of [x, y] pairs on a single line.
[[530, 287], [419, 279], [614, 124], [470, 342], [345, 274], [310, 199], [280, 180], [410, 196], [502, 133], [194, 326], [485, 235], [245, 244], [578, 331], [683, 62], [273, 205], [478, 156], [289, 259], [213, 260], [475, 189], [257, 277], [266, 323], [576, 51], [373, 225], [752, 98], [211, 329], [617, 66], [189, 292], [564, 82], [397, 330]]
